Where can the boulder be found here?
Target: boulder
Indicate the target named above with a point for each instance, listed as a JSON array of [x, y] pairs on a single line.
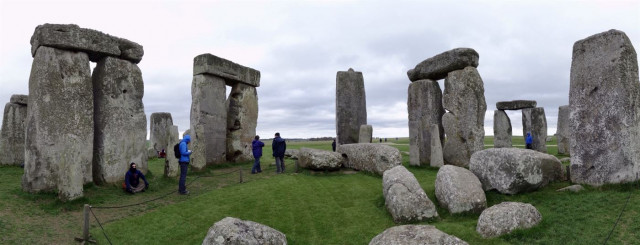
[[351, 106], [292, 153], [242, 120], [160, 126], [236, 231], [415, 235], [459, 190], [436, 148], [225, 69], [171, 165], [514, 170], [534, 121], [437, 67], [424, 105], [516, 104], [208, 128], [404, 198], [12, 133], [319, 159], [374, 158], [505, 217], [366, 132], [501, 129]]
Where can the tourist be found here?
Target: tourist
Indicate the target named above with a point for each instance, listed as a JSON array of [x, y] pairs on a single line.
[[256, 145], [184, 164], [529, 141], [162, 154], [132, 180], [279, 146], [333, 145]]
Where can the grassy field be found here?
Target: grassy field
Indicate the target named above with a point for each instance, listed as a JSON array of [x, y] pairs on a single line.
[[309, 207]]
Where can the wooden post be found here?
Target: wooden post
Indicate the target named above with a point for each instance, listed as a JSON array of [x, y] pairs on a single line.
[[240, 175], [85, 227]]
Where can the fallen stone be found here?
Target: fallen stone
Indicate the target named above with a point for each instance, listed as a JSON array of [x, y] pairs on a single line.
[[13, 129], [415, 235], [516, 104], [534, 121], [208, 128], [374, 158], [436, 148], [572, 188], [406, 201], [242, 120], [366, 133], [437, 67], [236, 231], [425, 109], [505, 217], [459, 190], [501, 129], [351, 106], [319, 159], [225, 69], [292, 153]]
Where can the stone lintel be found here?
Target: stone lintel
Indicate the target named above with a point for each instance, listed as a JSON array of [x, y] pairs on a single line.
[[19, 99], [226, 69], [516, 104]]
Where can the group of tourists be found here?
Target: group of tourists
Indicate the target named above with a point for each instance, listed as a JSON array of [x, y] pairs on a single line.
[[278, 146]]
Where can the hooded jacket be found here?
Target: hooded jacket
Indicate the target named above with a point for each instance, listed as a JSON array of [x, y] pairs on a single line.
[[184, 149], [132, 178], [529, 139], [279, 146], [256, 146]]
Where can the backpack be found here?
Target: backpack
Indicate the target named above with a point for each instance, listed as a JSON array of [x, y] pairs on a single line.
[[176, 151]]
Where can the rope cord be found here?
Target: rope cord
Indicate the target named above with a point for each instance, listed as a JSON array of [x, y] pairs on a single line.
[[103, 232]]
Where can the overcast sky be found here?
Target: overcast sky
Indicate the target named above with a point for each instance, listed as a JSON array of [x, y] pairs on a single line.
[[298, 46]]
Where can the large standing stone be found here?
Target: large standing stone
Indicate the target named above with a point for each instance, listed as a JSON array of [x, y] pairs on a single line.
[[562, 133], [424, 105], [236, 231], [160, 126], [319, 159], [120, 121], [225, 69], [604, 100], [505, 217], [535, 122], [351, 106], [514, 170], [374, 158], [459, 190], [366, 134], [404, 198], [171, 167], [516, 104], [501, 129], [437, 67], [208, 121], [415, 235], [464, 121], [436, 147], [12, 135], [242, 120], [59, 126]]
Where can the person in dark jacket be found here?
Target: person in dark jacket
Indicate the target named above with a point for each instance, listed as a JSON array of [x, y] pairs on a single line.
[[132, 180], [279, 146], [185, 153], [256, 146], [333, 145], [529, 141]]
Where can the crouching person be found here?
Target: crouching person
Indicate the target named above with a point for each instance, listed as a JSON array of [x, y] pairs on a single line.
[[132, 180]]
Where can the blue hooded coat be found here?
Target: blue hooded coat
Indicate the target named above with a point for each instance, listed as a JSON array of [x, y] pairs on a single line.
[[184, 149], [257, 148], [279, 146], [529, 139]]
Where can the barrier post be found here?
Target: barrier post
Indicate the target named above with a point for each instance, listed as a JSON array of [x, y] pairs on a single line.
[[85, 226], [240, 175]]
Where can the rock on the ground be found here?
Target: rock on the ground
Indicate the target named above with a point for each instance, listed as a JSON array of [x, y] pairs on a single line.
[[236, 231], [415, 235], [459, 190], [292, 153], [572, 188], [319, 159], [404, 198], [505, 217], [374, 158]]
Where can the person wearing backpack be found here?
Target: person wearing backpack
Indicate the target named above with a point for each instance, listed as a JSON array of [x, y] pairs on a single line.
[[256, 146], [184, 164]]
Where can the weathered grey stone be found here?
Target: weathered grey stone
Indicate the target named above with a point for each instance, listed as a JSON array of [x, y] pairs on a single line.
[[59, 124], [572, 188], [424, 105], [351, 106], [437, 67], [562, 132], [186, 132], [319, 159], [534, 121], [514, 170], [208, 121], [505, 217], [225, 69], [374, 158], [436, 147], [243, 232], [171, 167], [501, 129], [516, 104], [366, 134], [242, 120], [404, 198], [415, 235], [292, 153], [151, 153], [12, 134], [160, 126], [459, 190], [463, 98], [120, 121], [604, 100], [96, 44]]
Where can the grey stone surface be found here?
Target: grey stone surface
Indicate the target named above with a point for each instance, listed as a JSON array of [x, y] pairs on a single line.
[[562, 132], [463, 98], [243, 232], [208, 121], [415, 235], [437, 159], [151, 153], [424, 105], [572, 188], [96, 44], [160, 125], [171, 167], [225, 69], [12, 133], [514, 170], [366, 134], [292, 153], [501, 129], [516, 104], [505, 217], [604, 100], [120, 127], [351, 106], [186, 132], [319, 159], [374, 158], [242, 120], [535, 122], [437, 67], [459, 190], [59, 124], [405, 200]]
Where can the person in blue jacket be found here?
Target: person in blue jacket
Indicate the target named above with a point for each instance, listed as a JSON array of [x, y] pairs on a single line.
[[256, 146], [529, 141], [132, 180], [279, 146], [184, 164]]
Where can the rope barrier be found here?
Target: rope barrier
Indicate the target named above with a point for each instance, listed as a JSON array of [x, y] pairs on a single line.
[[621, 211], [103, 232]]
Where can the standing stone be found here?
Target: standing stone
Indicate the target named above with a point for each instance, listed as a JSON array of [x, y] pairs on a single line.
[[604, 100], [242, 120], [59, 125], [562, 133], [464, 121], [404, 198], [366, 134], [424, 105], [208, 121], [351, 106], [437, 67], [436, 147], [535, 122], [160, 126], [171, 168], [12, 135], [501, 129], [120, 121]]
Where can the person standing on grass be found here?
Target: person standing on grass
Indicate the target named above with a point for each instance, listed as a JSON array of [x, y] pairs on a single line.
[[132, 180], [185, 153], [279, 146], [529, 141], [256, 146], [333, 145]]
